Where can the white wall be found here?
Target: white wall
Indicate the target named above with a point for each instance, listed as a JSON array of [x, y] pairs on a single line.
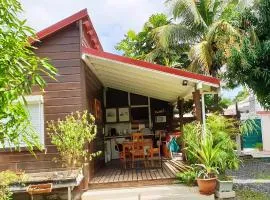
[[266, 131]]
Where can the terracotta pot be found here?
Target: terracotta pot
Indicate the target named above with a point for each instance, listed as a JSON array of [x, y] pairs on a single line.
[[207, 186]]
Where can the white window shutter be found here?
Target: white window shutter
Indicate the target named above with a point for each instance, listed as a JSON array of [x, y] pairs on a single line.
[[35, 107]]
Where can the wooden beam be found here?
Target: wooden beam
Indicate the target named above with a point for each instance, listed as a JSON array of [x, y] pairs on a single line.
[[198, 105]]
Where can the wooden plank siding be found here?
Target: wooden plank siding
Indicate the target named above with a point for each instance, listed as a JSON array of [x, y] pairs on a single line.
[[61, 97], [94, 90], [75, 89]]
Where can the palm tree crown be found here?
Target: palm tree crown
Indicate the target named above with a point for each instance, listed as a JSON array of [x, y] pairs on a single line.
[[205, 25]]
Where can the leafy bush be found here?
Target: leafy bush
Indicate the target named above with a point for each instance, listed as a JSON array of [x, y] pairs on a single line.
[[225, 129], [216, 150], [187, 177], [71, 135], [6, 178], [208, 156], [191, 137], [259, 146]]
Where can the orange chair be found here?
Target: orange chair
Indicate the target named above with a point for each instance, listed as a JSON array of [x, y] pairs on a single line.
[[123, 154], [155, 152], [137, 137], [137, 151]]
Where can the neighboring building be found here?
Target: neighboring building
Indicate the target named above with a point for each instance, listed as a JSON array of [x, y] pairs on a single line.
[[89, 78], [250, 108]]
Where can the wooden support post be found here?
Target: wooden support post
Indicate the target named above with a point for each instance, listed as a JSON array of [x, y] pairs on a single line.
[[198, 105]]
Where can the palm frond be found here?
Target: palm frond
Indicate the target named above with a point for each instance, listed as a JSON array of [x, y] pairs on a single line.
[[186, 11], [221, 28], [173, 34], [227, 9], [201, 54]]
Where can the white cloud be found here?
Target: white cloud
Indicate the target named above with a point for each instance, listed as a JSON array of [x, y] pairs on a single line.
[[111, 18]]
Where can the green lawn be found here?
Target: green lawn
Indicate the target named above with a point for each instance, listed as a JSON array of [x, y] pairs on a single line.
[[263, 175], [250, 195]]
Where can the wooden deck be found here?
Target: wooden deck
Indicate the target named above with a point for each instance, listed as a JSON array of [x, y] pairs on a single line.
[[113, 176]]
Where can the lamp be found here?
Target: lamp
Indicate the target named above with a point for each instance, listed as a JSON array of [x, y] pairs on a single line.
[[185, 83]]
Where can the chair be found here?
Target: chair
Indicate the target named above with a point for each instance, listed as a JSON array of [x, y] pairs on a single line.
[[137, 151], [155, 152], [122, 153], [137, 137]]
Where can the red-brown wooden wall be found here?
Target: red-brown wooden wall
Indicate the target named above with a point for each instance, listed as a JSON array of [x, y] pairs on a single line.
[[75, 89]]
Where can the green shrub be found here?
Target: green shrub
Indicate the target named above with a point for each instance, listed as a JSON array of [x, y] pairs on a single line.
[[187, 177], [71, 136], [259, 146], [220, 140], [7, 178]]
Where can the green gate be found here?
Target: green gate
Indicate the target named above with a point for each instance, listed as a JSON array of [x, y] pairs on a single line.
[[251, 138]]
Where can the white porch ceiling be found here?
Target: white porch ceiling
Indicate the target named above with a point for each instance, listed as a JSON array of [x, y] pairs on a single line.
[[140, 80]]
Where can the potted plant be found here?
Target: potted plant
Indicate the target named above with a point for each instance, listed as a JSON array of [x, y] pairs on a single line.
[[225, 129], [259, 146], [224, 183], [207, 154], [207, 179], [215, 152], [71, 137]]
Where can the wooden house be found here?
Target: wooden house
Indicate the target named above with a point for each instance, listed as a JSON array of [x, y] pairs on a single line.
[[124, 94]]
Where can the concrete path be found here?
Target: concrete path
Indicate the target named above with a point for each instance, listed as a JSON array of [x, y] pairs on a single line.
[[164, 192]]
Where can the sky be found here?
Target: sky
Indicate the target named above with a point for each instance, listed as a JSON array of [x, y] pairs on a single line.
[[111, 18]]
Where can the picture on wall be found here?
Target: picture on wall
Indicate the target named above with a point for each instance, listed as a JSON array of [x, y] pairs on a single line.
[[123, 114], [111, 115], [161, 119]]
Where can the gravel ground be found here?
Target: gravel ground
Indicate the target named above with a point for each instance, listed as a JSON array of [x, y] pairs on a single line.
[[253, 169]]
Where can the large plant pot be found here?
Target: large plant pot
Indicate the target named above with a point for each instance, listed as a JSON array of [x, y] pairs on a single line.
[[224, 186], [207, 186]]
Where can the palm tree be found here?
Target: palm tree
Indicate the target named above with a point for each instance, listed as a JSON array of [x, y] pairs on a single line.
[[205, 25]]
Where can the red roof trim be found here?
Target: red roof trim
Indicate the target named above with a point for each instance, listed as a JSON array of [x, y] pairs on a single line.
[[151, 66], [83, 14], [263, 112]]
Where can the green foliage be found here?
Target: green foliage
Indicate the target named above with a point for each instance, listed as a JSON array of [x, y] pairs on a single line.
[[20, 70], [249, 126], [192, 134], [259, 146], [249, 65], [7, 178], [71, 136], [246, 194], [187, 177], [207, 154], [242, 95], [205, 25], [212, 106], [225, 130], [216, 150], [143, 46]]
